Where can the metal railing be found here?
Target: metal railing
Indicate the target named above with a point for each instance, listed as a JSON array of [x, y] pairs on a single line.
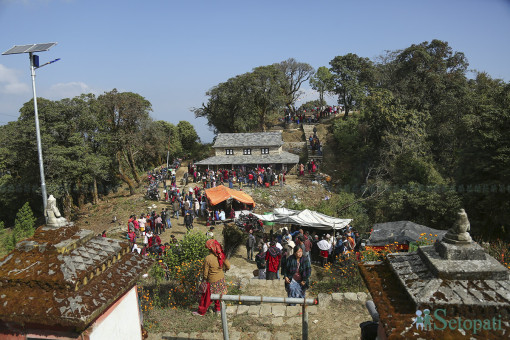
[[263, 299]]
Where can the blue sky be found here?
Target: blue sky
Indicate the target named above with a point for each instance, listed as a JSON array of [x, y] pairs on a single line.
[[172, 52]]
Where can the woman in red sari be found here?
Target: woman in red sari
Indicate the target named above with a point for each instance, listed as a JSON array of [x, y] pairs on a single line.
[[215, 264]]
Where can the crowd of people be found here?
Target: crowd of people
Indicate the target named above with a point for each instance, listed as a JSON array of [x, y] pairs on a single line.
[[315, 143], [285, 253], [312, 167], [243, 176], [312, 116]]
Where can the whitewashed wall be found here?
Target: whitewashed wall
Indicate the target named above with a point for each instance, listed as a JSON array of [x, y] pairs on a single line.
[[122, 321]]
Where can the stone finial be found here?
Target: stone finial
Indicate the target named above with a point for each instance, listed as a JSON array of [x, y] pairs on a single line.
[[53, 216], [459, 232]]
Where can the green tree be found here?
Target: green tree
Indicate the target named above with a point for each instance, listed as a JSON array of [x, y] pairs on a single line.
[[187, 136], [248, 102], [267, 95], [353, 76], [229, 107], [164, 139], [125, 117], [24, 223], [484, 163], [431, 77], [433, 206], [295, 74], [322, 82]]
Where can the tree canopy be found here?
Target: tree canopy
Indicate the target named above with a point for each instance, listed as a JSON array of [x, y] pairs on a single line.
[[428, 140], [254, 100], [352, 78], [90, 145]]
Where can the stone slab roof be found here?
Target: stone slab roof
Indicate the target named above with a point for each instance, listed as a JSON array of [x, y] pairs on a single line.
[[397, 309], [282, 158], [224, 140], [427, 288], [65, 278]]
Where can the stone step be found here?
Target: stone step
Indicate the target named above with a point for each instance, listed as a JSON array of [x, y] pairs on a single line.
[[279, 315], [232, 334], [274, 310]]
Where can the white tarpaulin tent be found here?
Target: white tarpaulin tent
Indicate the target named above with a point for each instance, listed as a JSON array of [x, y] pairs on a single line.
[[305, 218]]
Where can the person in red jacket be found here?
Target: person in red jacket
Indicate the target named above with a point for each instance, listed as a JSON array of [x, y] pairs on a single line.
[[273, 256]]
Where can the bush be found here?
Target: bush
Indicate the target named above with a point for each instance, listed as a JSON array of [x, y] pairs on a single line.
[[500, 250], [186, 278], [340, 276], [233, 238], [184, 268]]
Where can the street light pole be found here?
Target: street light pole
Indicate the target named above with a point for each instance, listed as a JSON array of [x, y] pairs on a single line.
[[38, 135], [34, 63]]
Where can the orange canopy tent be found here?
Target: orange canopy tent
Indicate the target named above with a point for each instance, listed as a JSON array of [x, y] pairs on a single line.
[[221, 193]]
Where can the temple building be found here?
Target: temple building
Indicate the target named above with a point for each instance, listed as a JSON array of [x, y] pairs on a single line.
[[66, 283], [233, 150]]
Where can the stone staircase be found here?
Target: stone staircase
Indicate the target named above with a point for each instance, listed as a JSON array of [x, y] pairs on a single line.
[[337, 316], [308, 130]]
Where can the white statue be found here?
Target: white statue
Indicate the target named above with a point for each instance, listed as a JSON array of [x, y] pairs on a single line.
[[53, 217]]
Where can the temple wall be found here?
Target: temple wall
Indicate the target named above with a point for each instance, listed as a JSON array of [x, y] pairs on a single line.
[[120, 321]]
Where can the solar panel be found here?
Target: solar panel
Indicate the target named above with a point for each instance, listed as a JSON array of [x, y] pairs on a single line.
[[29, 48]]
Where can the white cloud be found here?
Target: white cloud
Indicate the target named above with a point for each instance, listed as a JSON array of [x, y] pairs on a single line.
[[69, 90], [10, 83]]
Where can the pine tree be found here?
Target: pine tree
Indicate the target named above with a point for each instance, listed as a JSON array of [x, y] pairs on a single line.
[[24, 223]]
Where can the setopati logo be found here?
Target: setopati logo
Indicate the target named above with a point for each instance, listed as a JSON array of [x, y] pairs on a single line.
[[438, 321]]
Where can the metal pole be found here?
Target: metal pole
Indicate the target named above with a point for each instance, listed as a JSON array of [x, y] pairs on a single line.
[[224, 320], [261, 299], [167, 156], [38, 136], [304, 330]]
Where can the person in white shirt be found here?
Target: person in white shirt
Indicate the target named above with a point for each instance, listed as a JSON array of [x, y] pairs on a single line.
[[278, 245], [222, 215], [141, 222], [147, 235], [265, 246]]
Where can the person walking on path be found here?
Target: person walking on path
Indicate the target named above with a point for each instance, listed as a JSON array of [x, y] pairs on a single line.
[[188, 221], [297, 274], [215, 264], [159, 225], [176, 206], [250, 244], [260, 259], [273, 256]]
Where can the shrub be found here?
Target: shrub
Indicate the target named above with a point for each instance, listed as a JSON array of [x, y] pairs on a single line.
[[233, 238], [340, 276], [186, 278], [184, 262], [500, 250], [192, 247]]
